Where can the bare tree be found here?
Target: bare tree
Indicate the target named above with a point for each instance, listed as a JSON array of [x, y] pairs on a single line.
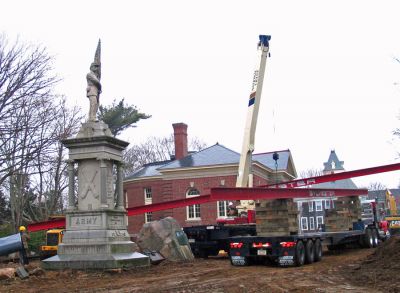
[[376, 186], [154, 149], [311, 173], [51, 181], [33, 121], [28, 144], [26, 83], [36, 187]]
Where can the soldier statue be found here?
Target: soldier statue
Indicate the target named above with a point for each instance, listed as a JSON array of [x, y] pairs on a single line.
[[93, 89]]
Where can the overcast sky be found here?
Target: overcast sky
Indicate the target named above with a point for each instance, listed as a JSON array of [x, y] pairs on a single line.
[[331, 82]]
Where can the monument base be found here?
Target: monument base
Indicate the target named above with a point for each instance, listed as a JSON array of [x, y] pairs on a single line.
[[84, 262], [96, 240]]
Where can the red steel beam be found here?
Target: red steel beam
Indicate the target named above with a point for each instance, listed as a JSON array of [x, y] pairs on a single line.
[[168, 205], [247, 193], [235, 193], [334, 177], [59, 223], [222, 193]]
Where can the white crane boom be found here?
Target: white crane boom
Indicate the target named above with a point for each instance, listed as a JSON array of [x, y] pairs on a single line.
[[245, 177]]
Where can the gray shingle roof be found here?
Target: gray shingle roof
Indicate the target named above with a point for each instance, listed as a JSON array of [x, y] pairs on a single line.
[[211, 156], [148, 170], [339, 184], [267, 159]]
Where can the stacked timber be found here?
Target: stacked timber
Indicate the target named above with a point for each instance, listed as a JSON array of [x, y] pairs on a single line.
[[276, 217], [346, 212]]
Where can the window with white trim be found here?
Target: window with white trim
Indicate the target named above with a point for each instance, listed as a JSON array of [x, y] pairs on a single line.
[[193, 212], [148, 217], [304, 223], [312, 223], [223, 209], [318, 205], [311, 206], [148, 196], [327, 204], [320, 222]]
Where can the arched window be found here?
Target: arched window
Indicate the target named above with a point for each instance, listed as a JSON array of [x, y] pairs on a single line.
[[193, 212]]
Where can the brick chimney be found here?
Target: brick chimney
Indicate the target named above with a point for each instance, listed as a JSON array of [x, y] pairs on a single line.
[[180, 138]]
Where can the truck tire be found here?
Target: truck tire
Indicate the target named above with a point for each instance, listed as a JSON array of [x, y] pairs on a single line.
[[309, 257], [375, 239], [368, 239], [317, 250], [300, 254]]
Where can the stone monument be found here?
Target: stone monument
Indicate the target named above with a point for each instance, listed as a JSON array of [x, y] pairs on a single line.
[[96, 235]]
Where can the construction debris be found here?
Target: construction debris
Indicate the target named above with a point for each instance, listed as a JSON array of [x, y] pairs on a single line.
[[7, 273], [22, 273]]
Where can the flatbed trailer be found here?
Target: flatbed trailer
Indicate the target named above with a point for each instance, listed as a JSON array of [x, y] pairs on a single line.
[[208, 240], [295, 250]]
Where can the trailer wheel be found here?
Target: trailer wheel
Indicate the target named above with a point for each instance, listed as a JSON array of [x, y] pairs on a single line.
[[368, 239], [300, 254], [309, 258], [317, 250]]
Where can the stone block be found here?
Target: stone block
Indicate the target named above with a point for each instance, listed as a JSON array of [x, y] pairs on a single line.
[[22, 273], [109, 261]]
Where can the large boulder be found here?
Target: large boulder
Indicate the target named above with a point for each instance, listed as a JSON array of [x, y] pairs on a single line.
[[167, 238]]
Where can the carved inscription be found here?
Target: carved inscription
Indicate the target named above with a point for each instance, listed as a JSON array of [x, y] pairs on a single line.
[[119, 233], [115, 221], [86, 221]]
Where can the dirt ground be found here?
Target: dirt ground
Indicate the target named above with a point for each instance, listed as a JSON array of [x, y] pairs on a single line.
[[350, 270]]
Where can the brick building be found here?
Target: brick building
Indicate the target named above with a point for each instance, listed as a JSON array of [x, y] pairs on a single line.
[[193, 174]]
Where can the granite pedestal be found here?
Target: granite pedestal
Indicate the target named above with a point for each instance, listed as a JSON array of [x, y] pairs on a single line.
[[96, 235]]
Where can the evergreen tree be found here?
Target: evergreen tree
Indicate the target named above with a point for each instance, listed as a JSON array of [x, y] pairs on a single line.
[[120, 116]]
